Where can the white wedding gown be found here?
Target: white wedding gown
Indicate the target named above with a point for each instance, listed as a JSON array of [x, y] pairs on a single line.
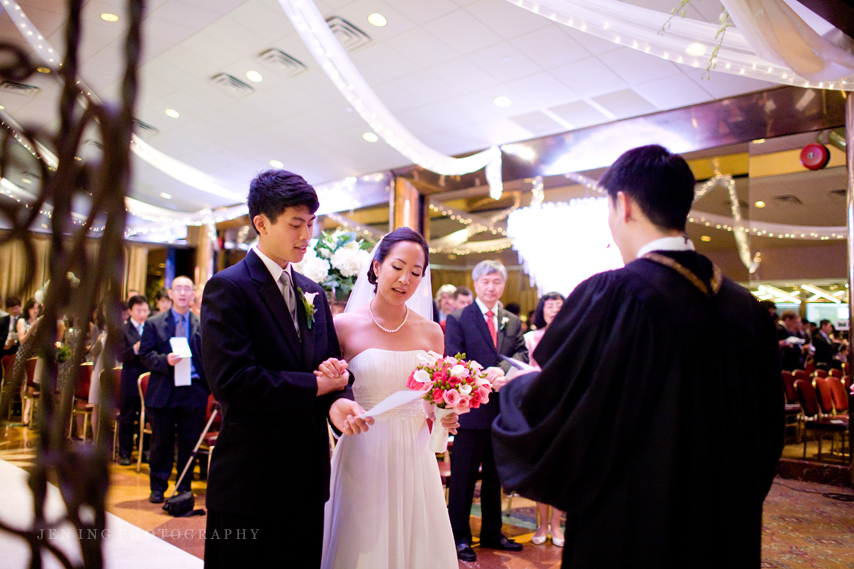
[[387, 507]]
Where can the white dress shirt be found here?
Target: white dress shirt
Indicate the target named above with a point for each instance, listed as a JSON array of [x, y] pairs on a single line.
[[679, 243], [484, 309], [276, 271]]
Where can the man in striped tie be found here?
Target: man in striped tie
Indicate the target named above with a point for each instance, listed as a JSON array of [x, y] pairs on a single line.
[[132, 368]]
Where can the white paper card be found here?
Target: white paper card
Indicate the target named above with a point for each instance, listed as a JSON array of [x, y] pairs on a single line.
[[183, 370], [520, 365], [394, 400]]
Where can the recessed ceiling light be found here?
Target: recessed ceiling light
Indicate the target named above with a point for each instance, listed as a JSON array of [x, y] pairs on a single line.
[[705, 238], [276, 164], [26, 180], [254, 76], [172, 113], [43, 69], [370, 137], [502, 101], [378, 20], [2, 108], [165, 196], [760, 204], [759, 141], [107, 17], [695, 49]]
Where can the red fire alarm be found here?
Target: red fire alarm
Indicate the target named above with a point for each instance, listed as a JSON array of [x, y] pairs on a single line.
[[815, 156]]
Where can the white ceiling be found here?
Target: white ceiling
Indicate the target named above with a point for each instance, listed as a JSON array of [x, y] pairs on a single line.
[[437, 65]]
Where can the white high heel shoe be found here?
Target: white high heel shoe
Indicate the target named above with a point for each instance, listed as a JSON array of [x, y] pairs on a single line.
[[539, 540]]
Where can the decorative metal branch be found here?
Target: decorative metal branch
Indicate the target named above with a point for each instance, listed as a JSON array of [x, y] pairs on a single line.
[[80, 471]]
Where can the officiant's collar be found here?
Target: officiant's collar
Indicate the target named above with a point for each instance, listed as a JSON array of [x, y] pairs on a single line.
[[272, 266], [680, 243]]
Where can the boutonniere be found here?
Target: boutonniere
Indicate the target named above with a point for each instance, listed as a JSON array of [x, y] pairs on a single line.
[[504, 322], [308, 304]]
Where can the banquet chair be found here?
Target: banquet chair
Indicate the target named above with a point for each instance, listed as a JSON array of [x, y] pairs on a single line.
[[837, 373], [825, 398], [80, 401], [809, 367], [792, 408], [801, 374], [840, 397], [142, 384], [209, 442], [813, 419], [820, 373], [31, 376]]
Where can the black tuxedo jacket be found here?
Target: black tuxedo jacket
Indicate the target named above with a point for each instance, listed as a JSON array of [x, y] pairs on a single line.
[[153, 349], [273, 442], [132, 366], [5, 323], [466, 333], [824, 351]]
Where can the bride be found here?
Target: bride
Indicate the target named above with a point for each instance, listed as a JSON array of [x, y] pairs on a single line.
[[387, 507]]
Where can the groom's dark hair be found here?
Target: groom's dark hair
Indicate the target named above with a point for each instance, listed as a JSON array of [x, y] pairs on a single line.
[[272, 191], [659, 181]]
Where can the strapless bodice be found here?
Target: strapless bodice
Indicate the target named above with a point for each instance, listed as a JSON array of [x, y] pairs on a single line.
[[379, 373]]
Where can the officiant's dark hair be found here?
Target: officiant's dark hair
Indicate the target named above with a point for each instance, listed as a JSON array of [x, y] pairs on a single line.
[[659, 181], [274, 190], [387, 244]]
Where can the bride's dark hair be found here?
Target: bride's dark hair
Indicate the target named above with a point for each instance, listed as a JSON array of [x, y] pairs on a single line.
[[387, 244]]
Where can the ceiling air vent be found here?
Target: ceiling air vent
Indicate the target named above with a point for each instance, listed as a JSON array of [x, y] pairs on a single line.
[[92, 142], [19, 88], [283, 62], [350, 36], [144, 128], [788, 200], [839, 193], [741, 203], [232, 85]]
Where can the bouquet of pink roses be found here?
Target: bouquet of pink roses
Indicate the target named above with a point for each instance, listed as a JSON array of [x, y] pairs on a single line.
[[452, 385]]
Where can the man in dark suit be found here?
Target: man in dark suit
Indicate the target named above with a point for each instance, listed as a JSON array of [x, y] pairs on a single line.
[[132, 368], [825, 349], [8, 332], [271, 353], [483, 331], [173, 409]]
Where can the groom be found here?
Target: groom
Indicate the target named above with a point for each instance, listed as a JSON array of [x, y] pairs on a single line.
[[266, 330]]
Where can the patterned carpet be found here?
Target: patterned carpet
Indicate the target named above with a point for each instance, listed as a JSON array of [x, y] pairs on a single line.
[[803, 528]]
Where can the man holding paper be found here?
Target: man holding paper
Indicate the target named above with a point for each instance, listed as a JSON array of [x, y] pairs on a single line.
[[177, 394]]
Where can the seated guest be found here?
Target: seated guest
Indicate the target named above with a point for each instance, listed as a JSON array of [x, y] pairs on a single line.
[[175, 411], [548, 307], [444, 301], [8, 326], [132, 368]]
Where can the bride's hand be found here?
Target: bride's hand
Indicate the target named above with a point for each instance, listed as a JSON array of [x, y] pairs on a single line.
[[451, 422], [344, 414], [332, 375]]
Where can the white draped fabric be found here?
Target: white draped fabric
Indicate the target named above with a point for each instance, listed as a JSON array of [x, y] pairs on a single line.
[[770, 41]]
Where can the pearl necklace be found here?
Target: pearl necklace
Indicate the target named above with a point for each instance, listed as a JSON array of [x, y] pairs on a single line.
[[374, 318]]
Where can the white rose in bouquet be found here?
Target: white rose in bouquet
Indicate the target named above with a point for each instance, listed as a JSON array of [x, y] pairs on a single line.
[[313, 267], [349, 260]]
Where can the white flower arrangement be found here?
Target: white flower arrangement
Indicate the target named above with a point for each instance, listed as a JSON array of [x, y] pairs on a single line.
[[313, 267], [334, 260]]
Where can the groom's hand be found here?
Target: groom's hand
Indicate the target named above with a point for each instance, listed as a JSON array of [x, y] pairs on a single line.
[[344, 414], [332, 375]]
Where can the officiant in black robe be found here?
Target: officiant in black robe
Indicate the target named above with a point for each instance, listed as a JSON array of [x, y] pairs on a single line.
[[657, 420]]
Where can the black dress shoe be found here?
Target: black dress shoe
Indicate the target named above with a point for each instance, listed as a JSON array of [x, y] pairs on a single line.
[[156, 497], [124, 461], [465, 552], [503, 544]]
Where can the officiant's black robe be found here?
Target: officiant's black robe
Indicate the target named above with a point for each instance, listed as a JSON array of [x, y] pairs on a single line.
[[656, 422]]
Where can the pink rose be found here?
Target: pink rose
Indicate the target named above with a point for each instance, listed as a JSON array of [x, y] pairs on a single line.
[[454, 382], [438, 395], [484, 394], [413, 385], [465, 403], [452, 397], [440, 376]]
